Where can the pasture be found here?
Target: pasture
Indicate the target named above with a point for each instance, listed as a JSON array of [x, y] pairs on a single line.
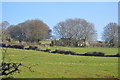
[[48, 65], [82, 50]]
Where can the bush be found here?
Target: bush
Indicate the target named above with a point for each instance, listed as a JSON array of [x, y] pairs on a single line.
[[2, 45], [18, 46], [63, 52], [117, 55], [47, 50], [94, 54], [32, 48]]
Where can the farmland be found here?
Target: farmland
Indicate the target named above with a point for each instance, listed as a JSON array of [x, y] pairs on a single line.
[[48, 65], [59, 40]]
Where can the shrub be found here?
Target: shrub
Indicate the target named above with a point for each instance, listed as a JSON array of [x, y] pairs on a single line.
[[18, 46], [117, 55], [33, 47], [2, 45], [94, 54], [63, 52]]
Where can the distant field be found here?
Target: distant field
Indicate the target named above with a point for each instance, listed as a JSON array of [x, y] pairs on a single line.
[[108, 51], [64, 66]]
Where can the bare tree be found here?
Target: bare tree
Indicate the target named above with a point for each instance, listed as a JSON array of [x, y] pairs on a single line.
[[30, 30], [15, 32], [110, 34], [35, 30], [78, 29], [3, 29]]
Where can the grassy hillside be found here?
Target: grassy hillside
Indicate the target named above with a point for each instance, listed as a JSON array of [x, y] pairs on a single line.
[[108, 51], [48, 65]]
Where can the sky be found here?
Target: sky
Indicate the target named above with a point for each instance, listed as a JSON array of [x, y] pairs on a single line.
[[51, 13]]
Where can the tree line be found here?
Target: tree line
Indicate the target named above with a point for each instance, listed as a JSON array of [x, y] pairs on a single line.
[[29, 31], [79, 29]]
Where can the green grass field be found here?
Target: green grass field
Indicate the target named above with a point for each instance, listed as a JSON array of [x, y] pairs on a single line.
[[108, 51], [48, 65]]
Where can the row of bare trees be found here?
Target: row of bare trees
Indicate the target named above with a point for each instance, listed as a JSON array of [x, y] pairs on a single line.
[[79, 29], [29, 31]]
